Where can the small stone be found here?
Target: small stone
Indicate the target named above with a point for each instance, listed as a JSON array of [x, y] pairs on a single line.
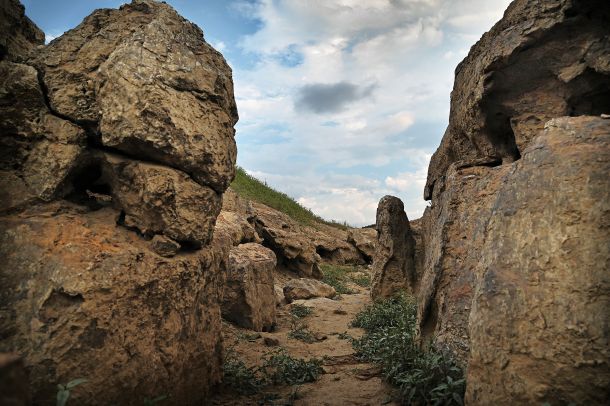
[[340, 311], [271, 342], [164, 246]]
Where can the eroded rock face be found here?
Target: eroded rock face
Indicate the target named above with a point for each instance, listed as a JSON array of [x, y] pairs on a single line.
[[515, 240], [18, 34], [84, 298], [249, 294], [292, 246], [394, 259], [14, 385], [540, 313], [503, 95], [364, 239], [143, 81], [304, 288], [116, 146]]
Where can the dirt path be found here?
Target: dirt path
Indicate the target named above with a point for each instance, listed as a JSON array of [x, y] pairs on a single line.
[[346, 381]]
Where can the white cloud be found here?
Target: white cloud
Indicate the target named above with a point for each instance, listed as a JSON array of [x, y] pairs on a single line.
[[407, 49]]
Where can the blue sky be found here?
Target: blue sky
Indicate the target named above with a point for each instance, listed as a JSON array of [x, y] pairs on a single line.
[[340, 101]]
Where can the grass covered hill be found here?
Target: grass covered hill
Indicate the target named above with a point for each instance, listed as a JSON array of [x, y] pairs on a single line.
[[248, 187]]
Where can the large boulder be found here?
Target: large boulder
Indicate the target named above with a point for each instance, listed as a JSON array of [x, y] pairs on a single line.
[[291, 243], [83, 298], [456, 229], [116, 144], [249, 295], [143, 81], [539, 322], [394, 259], [304, 288], [503, 95]]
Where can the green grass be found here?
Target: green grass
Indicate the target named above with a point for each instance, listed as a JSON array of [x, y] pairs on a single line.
[[300, 331], [248, 187], [338, 276], [423, 376]]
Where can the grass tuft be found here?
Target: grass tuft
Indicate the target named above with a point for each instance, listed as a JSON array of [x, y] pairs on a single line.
[[250, 188], [338, 276], [280, 368], [300, 311], [423, 376]]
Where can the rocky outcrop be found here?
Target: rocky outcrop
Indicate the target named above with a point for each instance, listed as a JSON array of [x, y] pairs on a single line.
[[304, 288], [364, 239], [249, 295], [83, 298], [294, 250], [503, 96], [333, 247], [514, 281], [117, 144], [394, 259], [18, 34], [540, 312]]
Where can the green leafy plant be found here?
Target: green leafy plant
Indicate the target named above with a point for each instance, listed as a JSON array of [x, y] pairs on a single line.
[[63, 391], [300, 311], [422, 375], [280, 368], [300, 331]]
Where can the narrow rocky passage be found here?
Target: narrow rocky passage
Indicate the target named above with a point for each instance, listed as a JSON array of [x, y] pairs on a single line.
[[345, 380]]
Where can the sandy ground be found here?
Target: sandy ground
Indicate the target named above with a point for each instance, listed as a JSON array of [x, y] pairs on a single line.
[[346, 381]]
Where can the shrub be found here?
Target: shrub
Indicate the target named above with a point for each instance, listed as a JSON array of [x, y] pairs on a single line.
[[300, 331], [281, 368], [362, 280], [239, 377], [423, 376]]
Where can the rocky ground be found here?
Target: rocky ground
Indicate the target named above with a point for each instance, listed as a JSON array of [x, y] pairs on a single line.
[[345, 380]]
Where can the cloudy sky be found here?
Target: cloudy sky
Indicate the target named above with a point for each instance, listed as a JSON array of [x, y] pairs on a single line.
[[340, 101]]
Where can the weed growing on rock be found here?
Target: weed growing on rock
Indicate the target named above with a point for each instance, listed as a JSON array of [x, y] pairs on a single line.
[[300, 311], [63, 391], [423, 376], [280, 368]]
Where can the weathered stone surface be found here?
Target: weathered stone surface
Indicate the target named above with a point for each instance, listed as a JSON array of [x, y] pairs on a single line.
[[364, 239], [82, 297], [394, 259], [14, 385], [332, 246], [294, 250], [503, 95], [280, 299], [304, 288], [164, 246], [456, 229], [236, 227], [539, 323], [38, 150], [143, 81], [249, 295], [161, 200], [18, 34]]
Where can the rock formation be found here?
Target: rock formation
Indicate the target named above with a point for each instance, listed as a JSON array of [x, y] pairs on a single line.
[[249, 295], [514, 244], [304, 288], [364, 239], [117, 144], [394, 259]]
